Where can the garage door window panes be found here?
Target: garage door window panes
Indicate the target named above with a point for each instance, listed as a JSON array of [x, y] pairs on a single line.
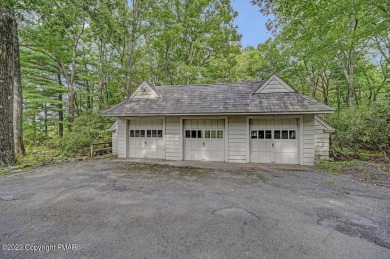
[[292, 134], [254, 134], [146, 133], [278, 134], [207, 134], [284, 134], [261, 134], [217, 134], [268, 134], [193, 134]]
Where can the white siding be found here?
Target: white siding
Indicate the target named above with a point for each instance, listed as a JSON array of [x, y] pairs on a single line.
[[114, 143], [321, 142], [274, 87], [314, 143], [145, 95], [144, 92], [308, 139], [172, 138], [237, 142], [122, 137]]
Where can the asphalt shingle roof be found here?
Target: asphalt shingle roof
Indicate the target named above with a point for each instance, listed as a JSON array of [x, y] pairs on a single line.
[[224, 98]]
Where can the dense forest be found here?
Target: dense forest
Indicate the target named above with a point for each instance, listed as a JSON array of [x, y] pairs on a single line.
[[77, 58]]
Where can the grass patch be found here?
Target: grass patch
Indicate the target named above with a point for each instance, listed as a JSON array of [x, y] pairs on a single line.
[[334, 172], [347, 163], [27, 168], [338, 167], [2, 172], [191, 171], [168, 169], [33, 158], [324, 165], [329, 182], [359, 167]]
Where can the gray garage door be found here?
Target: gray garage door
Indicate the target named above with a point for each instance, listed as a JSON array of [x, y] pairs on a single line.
[[204, 140], [274, 141], [146, 138]]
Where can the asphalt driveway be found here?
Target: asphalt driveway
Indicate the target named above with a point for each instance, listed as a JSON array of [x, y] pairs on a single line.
[[122, 209]]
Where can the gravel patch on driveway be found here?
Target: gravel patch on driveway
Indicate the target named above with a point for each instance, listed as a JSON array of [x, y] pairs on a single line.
[[126, 209]]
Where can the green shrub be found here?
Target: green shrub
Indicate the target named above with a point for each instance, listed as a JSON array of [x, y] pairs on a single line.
[[87, 129], [362, 128], [324, 165]]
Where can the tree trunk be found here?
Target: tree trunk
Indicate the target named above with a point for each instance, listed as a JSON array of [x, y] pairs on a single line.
[[60, 117], [60, 110], [45, 120], [18, 97], [7, 62]]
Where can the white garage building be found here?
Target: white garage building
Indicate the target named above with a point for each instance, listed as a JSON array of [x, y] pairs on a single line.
[[247, 122]]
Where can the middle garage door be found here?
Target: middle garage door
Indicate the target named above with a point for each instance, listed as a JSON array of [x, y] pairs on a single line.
[[204, 140], [274, 141]]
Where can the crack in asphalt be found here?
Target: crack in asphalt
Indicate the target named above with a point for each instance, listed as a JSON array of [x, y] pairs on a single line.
[[374, 234]]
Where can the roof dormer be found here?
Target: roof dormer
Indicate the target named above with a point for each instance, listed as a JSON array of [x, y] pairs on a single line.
[[145, 91], [274, 84]]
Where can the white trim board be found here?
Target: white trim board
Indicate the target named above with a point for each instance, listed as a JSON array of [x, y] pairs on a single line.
[[221, 114], [329, 129]]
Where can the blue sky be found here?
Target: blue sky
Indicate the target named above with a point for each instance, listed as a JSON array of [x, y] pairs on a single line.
[[250, 22]]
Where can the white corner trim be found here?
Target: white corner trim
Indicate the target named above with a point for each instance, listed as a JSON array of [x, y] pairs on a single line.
[[226, 139], [247, 139], [301, 146], [164, 138], [181, 139]]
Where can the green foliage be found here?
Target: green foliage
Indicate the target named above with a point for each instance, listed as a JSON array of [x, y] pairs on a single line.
[[99, 51], [335, 168], [324, 165], [339, 48], [87, 129], [38, 154], [363, 128]]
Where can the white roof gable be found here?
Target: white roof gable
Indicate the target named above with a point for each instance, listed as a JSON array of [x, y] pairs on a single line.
[[274, 84], [327, 127], [145, 90], [114, 126]]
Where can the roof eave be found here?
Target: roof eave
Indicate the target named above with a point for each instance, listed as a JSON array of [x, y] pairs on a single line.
[[218, 113]]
